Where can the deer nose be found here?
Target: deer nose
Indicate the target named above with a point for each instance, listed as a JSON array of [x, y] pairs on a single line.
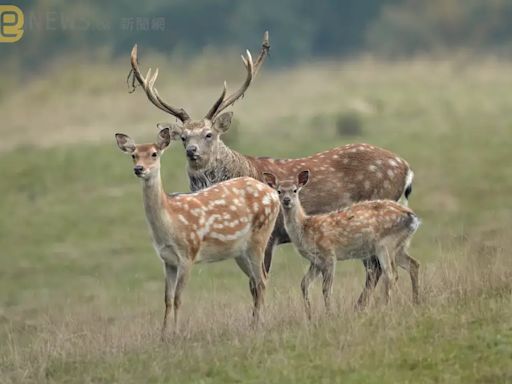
[[138, 169], [192, 150], [286, 201]]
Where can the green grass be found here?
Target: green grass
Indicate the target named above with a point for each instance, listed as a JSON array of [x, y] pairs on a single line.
[[81, 290]]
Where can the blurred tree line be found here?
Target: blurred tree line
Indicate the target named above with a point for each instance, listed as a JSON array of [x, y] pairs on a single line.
[[300, 29]]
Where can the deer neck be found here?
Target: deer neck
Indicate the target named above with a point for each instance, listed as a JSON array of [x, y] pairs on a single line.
[[227, 164], [294, 219], [155, 207]]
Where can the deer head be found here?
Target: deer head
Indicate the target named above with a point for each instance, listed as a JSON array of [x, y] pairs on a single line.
[[200, 138], [288, 190], [146, 157]]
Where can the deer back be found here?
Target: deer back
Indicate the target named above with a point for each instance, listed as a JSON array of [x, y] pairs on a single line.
[[343, 175], [225, 215], [361, 226]]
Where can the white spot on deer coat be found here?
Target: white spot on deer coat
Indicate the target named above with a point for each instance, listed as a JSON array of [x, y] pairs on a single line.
[[196, 211], [230, 237]]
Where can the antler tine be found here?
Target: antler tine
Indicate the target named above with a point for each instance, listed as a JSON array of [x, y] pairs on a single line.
[[153, 79], [252, 70], [240, 92], [265, 48], [148, 84], [215, 106], [143, 80]]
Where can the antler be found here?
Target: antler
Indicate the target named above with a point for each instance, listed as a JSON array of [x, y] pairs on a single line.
[[148, 84], [265, 48], [252, 70]]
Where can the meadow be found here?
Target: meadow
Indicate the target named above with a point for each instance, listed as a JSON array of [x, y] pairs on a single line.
[[81, 290]]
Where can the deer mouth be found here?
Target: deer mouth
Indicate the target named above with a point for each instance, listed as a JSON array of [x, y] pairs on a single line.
[[193, 156], [195, 162]]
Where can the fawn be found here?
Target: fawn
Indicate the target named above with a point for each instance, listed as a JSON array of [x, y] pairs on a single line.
[[233, 219], [381, 227]]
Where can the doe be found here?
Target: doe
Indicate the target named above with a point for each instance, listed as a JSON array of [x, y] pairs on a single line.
[[233, 219], [381, 227]]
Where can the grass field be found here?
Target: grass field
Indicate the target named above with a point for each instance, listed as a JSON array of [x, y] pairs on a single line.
[[81, 290]]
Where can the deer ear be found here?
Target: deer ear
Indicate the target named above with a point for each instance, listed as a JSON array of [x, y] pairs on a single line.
[[125, 143], [175, 129], [163, 139], [302, 178], [270, 179], [223, 122]]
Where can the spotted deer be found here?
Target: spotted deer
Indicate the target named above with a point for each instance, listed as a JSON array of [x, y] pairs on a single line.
[[233, 219], [380, 227], [340, 176]]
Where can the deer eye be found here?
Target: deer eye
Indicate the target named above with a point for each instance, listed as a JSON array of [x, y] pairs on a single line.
[[183, 138], [154, 155], [278, 192], [133, 157], [295, 190], [209, 135]]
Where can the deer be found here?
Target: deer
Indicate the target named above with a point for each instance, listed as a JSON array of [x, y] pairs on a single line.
[[378, 227], [340, 176], [232, 219]]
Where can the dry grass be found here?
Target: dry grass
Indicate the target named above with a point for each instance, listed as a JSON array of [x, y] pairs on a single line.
[[67, 345]]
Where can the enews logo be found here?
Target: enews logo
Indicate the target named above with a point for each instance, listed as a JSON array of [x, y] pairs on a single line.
[[11, 23]]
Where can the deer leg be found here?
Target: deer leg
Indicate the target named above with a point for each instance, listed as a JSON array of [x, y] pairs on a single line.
[[183, 274], [411, 265], [255, 255], [269, 251], [255, 272], [373, 273], [328, 278], [171, 272], [308, 278], [386, 264], [258, 291]]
